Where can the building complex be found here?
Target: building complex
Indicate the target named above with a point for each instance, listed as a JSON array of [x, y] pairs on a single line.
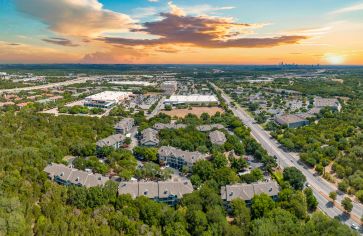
[[115, 141], [67, 175], [124, 126], [160, 126], [106, 99], [327, 102], [169, 192], [177, 158], [207, 128], [292, 120], [149, 137], [247, 191]]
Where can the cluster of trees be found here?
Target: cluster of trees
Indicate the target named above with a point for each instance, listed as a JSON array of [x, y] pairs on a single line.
[[119, 110], [152, 171], [80, 110]]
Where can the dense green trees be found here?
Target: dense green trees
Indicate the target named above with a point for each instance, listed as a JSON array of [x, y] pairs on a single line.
[[146, 153], [310, 199], [261, 205], [347, 204], [294, 177], [186, 139], [333, 195]]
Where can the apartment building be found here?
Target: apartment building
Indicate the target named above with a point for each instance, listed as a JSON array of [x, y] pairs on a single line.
[[124, 126], [177, 158], [169, 192], [116, 141], [67, 175], [149, 137]]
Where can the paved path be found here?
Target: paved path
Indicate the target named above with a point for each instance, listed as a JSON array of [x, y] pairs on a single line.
[[320, 186]]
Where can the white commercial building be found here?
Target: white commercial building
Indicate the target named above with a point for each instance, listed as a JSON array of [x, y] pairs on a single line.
[[191, 99], [134, 83], [106, 99]]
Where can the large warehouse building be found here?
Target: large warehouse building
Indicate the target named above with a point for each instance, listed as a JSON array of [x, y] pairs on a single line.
[[106, 99], [191, 99]]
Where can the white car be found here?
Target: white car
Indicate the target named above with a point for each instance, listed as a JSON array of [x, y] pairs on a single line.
[[355, 227]]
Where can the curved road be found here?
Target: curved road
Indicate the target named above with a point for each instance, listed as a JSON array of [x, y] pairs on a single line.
[[320, 186]]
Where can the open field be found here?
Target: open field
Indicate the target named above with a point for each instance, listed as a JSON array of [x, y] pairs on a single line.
[[195, 110]]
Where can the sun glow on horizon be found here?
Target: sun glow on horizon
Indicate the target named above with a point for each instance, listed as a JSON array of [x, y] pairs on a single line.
[[334, 59]]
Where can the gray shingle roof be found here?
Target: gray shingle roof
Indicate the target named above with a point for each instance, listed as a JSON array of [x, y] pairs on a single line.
[[190, 157], [124, 123], [207, 128], [149, 135], [326, 102], [161, 189], [289, 119], [247, 191], [160, 126], [110, 140], [217, 137], [75, 176]]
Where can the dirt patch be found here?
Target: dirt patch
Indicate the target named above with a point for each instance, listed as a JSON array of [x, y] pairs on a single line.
[[338, 80], [180, 113]]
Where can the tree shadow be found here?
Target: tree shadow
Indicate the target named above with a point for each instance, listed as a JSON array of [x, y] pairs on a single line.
[[329, 204], [343, 217]]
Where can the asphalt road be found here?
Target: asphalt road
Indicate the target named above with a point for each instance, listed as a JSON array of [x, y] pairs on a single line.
[[157, 109], [52, 85], [320, 186]]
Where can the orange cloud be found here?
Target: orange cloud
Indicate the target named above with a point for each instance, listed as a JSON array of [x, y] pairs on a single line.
[[201, 31]]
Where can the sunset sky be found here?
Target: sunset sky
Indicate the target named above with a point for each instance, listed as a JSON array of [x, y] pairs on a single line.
[[181, 31]]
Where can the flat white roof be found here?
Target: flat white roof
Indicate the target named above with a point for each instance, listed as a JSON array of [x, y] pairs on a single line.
[[191, 98], [109, 96], [129, 82], [170, 82]]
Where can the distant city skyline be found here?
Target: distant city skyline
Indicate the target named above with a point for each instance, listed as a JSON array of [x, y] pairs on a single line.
[[327, 32]]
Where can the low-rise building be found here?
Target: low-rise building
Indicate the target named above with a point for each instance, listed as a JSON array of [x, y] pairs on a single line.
[[177, 158], [66, 175], [197, 99], [327, 102], [169, 192], [124, 126], [116, 141], [106, 99], [149, 137], [4, 104], [247, 191], [217, 137], [292, 120], [207, 128], [160, 126]]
